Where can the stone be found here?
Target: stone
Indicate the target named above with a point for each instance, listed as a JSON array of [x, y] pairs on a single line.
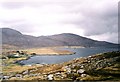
[[89, 61], [83, 75], [32, 70], [6, 77], [82, 66], [73, 66], [68, 70], [89, 56], [80, 71], [25, 72], [58, 73], [50, 77], [74, 70], [19, 76], [65, 68]]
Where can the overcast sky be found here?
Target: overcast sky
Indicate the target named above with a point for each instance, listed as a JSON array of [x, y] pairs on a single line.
[[96, 19]]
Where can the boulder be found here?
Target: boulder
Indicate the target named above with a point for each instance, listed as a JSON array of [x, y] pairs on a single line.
[[83, 75], [50, 77], [19, 76], [25, 72], [80, 71], [6, 77]]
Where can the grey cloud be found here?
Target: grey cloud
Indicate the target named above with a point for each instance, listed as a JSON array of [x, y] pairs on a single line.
[[113, 38], [13, 21], [97, 26], [12, 5], [20, 4], [20, 25], [23, 27], [96, 20], [93, 16]]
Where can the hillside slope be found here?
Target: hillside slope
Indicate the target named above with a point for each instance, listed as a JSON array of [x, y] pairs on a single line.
[[15, 38]]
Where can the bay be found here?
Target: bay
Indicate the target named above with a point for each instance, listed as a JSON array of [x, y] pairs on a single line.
[[80, 52]]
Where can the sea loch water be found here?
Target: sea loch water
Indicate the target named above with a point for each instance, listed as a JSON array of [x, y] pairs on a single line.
[[80, 52]]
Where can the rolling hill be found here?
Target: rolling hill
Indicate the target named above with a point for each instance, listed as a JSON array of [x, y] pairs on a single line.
[[16, 38]]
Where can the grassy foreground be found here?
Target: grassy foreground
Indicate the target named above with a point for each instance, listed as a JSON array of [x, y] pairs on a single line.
[[99, 67]]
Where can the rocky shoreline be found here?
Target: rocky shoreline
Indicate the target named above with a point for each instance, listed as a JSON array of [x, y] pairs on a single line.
[[100, 67]]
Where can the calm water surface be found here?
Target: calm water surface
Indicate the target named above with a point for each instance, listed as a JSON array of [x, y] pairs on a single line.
[[80, 52]]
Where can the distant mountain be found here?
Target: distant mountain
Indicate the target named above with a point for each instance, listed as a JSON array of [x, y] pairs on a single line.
[[15, 38]]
